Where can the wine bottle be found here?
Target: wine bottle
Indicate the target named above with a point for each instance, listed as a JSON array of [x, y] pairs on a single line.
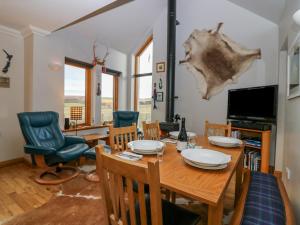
[[182, 137]]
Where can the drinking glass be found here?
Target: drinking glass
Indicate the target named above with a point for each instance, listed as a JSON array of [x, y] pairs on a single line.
[[192, 142], [160, 153]]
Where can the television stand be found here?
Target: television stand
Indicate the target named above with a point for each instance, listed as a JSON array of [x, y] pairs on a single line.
[[256, 141], [251, 125]]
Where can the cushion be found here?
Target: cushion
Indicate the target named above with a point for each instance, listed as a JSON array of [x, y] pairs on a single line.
[[264, 205], [172, 214], [91, 153], [67, 154]]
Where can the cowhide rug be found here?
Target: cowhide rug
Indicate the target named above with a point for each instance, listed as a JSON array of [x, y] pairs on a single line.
[[78, 202]]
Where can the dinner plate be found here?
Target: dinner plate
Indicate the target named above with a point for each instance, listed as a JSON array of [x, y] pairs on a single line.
[[174, 134], [145, 146], [220, 167], [227, 142], [204, 164], [144, 153], [205, 156]]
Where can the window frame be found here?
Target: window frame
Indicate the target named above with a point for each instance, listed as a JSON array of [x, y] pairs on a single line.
[[136, 64], [88, 87]]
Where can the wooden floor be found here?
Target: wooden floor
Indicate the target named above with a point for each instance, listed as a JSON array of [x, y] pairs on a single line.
[[18, 191]]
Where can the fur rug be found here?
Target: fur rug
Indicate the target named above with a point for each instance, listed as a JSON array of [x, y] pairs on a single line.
[[78, 202]]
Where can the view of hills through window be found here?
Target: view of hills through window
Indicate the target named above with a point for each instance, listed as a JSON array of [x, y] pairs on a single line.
[[107, 97], [75, 82], [145, 64]]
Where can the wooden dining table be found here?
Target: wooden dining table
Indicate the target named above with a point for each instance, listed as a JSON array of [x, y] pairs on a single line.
[[206, 186]]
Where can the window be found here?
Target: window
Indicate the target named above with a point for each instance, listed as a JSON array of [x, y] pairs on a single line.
[[77, 91], [143, 81], [109, 96]]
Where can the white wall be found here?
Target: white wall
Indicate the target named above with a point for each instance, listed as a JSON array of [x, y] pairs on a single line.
[[43, 89], [48, 86], [287, 28], [280, 146], [243, 27], [291, 154], [11, 99], [160, 55]]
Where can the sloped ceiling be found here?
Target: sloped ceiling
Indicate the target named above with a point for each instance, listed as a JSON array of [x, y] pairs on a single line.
[[269, 9], [45, 14], [124, 27], [121, 28]]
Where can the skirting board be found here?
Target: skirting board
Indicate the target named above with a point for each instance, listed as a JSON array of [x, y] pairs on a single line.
[[12, 161]]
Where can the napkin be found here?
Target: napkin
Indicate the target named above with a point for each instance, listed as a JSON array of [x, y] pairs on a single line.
[[169, 140], [129, 156]]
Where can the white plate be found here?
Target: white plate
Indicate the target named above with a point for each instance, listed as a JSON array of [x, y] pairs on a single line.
[[145, 146], [144, 153], [206, 156], [220, 167], [174, 134], [205, 165], [227, 142]]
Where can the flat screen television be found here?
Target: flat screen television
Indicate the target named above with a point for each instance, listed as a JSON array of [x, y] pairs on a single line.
[[254, 104]]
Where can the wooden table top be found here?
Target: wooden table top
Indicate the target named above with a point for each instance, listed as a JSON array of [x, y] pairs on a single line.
[[207, 186], [85, 128], [94, 137]]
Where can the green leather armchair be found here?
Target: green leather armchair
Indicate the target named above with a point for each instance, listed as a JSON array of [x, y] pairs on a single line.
[[48, 146], [125, 118]]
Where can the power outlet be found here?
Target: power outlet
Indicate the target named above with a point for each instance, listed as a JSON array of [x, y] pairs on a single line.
[[288, 173]]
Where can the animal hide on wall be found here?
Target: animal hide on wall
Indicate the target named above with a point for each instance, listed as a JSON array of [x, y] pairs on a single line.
[[216, 60]]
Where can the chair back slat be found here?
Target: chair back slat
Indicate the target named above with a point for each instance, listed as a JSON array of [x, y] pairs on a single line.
[[131, 201], [155, 198], [105, 193], [114, 195], [141, 196], [126, 136], [151, 131], [212, 129], [119, 137], [119, 178], [122, 200]]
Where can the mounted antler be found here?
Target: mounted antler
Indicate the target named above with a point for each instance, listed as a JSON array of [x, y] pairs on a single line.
[[8, 57], [97, 60]]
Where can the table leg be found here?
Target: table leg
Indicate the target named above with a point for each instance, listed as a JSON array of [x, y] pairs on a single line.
[[238, 182], [215, 214]]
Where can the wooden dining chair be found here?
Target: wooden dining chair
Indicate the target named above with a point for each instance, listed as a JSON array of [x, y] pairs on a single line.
[[151, 131], [120, 136], [213, 129], [123, 207]]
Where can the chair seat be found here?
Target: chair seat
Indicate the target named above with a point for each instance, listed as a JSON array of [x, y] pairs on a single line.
[[172, 214], [91, 153], [264, 203], [66, 154], [72, 152]]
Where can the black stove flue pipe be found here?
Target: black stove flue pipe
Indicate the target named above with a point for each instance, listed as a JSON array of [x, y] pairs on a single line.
[[171, 54]]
